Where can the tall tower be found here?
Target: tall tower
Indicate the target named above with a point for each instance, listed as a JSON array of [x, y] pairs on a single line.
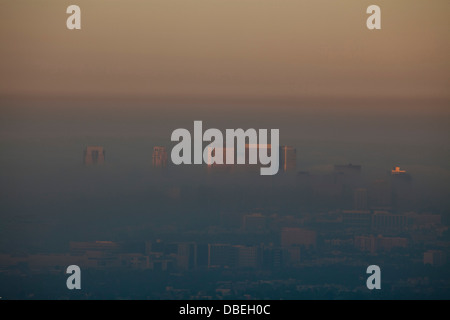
[[399, 174], [288, 158], [94, 155], [159, 157]]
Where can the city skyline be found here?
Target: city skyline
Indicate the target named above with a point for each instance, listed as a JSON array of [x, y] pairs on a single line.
[[337, 161]]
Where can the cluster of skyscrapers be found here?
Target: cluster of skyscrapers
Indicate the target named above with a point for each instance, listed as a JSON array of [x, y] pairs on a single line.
[[95, 155]]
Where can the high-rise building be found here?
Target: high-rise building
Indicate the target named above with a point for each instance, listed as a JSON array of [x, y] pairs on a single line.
[[397, 171], [94, 155], [187, 255], [159, 157], [400, 174], [288, 158], [360, 199], [402, 195]]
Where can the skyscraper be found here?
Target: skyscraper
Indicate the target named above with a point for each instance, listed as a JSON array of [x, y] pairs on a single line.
[[159, 157], [187, 255], [288, 158], [401, 182], [400, 175], [94, 155]]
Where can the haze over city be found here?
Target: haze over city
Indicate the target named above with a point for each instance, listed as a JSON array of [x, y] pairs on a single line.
[[86, 173]]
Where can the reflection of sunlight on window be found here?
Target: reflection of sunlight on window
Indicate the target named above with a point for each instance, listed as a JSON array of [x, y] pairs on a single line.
[[397, 170]]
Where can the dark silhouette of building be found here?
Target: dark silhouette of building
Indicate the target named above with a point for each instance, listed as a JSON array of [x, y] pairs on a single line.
[[94, 155], [187, 255], [288, 158], [159, 157], [399, 174], [401, 183]]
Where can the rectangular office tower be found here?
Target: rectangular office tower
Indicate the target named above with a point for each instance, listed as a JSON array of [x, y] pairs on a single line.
[[159, 157], [94, 155], [288, 158]]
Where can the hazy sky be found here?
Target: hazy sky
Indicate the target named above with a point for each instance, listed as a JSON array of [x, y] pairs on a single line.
[[226, 48], [139, 69]]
